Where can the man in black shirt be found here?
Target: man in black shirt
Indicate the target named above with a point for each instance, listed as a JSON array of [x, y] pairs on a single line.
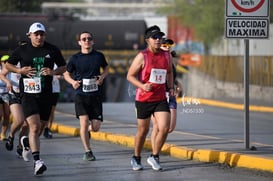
[[87, 82], [36, 60]]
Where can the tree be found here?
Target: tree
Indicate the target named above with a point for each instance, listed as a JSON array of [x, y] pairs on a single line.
[[206, 17], [18, 6]]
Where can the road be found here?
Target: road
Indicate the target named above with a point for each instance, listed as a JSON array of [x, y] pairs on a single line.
[[207, 121], [213, 127], [63, 154]]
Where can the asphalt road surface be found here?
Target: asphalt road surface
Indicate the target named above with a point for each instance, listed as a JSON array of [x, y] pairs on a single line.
[[63, 157], [63, 154]]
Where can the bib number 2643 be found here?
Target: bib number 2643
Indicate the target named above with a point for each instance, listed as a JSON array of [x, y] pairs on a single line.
[[32, 85]]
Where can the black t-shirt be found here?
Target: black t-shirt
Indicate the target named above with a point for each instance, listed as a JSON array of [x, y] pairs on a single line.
[[86, 66], [38, 57]]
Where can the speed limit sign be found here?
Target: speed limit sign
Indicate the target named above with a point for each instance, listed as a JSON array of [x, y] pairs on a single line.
[[247, 19], [247, 8]]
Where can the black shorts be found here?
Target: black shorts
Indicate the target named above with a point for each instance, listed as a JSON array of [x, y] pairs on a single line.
[[146, 109], [15, 98], [55, 98], [89, 105], [4, 98], [37, 104], [1, 101]]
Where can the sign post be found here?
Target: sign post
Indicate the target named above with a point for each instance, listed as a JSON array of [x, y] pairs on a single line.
[[246, 97], [247, 19]]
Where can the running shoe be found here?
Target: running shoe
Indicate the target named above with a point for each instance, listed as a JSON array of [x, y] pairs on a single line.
[[88, 156], [47, 133], [39, 167], [50, 135], [19, 151], [154, 162], [26, 154], [136, 163], [9, 143]]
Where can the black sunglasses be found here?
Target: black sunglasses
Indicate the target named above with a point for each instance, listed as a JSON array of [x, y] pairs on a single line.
[[156, 37], [87, 39]]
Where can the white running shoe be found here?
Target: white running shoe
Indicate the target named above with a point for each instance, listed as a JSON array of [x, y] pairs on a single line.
[[39, 167], [154, 162], [26, 154], [136, 164]]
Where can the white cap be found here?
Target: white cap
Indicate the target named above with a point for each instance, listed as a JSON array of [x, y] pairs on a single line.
[[36, 27]]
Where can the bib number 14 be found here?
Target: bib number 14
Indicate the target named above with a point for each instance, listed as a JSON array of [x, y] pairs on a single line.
[[158, 76]]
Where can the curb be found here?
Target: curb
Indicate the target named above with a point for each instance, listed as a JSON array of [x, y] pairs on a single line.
[[202, 155], [224, 104]]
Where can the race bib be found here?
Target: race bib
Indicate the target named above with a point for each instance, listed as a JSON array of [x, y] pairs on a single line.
[[89, 85], [158, 76], [32, 85]]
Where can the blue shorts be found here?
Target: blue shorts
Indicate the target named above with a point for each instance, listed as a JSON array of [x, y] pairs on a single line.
[[172, 103]]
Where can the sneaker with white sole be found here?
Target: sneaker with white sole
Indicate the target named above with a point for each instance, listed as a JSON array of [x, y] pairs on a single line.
[[89, 156], [136, 163], [39, 167], [154, 162], [9, 143], [26, 153]]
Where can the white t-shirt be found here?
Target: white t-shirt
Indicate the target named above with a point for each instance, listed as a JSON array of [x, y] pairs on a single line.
[[56, 83]]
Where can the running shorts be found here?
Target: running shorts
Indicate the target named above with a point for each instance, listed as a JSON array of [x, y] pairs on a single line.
[[146, 109], [37, 104], [55, 98], [14, 98], [172, 103], [89, 105]]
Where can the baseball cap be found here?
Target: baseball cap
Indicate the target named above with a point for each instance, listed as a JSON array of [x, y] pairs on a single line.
[[166, 44], [36, 27], [153, 30], [4, 58], [167, 41]]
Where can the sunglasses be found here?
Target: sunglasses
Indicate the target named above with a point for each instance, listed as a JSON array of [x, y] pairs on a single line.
[[87, 39], [166, 45], [155, 37]]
